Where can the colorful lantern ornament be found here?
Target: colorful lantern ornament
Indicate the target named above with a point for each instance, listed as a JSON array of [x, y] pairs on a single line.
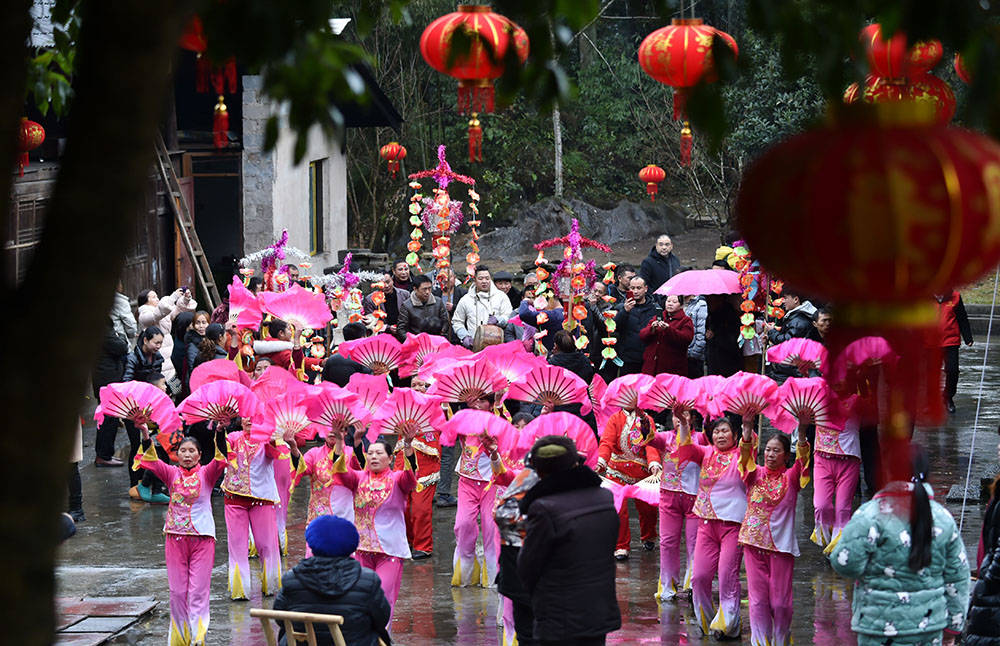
[[30, 136], [219, 78], [925, 87], [961, 70], [490, 38], [393, 152], [894, 208], [892, 59], [652, 175]]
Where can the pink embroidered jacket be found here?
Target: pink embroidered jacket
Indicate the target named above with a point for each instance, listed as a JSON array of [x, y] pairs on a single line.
[[769, 522], [721, 492], [379, 508], [190, 510], [250, 472], [328, 493]]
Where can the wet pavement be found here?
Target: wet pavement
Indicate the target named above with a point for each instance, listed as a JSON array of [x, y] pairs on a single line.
[[118, 551]]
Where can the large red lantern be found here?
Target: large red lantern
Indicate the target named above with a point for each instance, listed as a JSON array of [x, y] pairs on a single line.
[[892, 59], [490, 37], [926, 87], [220, 78], [680, 55], [652, 175], [878, 214], [30, 136], [393, 153]]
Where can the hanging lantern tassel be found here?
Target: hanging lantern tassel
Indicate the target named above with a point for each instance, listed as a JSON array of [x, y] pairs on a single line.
[[680, 102], [203, 73], [687, 143], [475, 140], [220, 124]]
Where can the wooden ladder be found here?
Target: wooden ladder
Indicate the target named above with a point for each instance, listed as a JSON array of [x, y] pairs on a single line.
[[189, 236]]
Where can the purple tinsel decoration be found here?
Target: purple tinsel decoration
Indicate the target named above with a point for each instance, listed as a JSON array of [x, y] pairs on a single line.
[[277, 252], [455, 215], [350, 280]]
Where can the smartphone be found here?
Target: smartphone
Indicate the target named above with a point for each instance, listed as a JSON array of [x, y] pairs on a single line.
[[629, 294]]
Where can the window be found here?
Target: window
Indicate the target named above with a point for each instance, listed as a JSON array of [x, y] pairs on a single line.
[[316, 207]]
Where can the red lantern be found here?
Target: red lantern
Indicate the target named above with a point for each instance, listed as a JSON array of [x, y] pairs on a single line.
[[30, 136], [680, 55], [393, 153], [878, 214], [926, 87], [961, 70], [490, 36], [652, 175], [892, 60], [219, 78]]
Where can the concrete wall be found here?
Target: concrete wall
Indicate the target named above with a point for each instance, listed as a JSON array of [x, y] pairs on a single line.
[[276, 191]]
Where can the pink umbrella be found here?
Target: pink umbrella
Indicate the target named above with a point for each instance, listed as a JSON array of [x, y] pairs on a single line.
[[808, 399], [671, 391], [139, 402], [371, 390], [749, 394], [804, 354], [416, 348], [701, 281], [330, 406], [625, 391], [550, 385], [220, 402], [244, 308], [216, 370], [470, 422], [381, 353], [407, 413], [565, 424], [711, 401], [301, 308], [466, 381]]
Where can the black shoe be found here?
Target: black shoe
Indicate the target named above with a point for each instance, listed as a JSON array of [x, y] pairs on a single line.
[[950, 403], [77, 515], [648, 545], [446, 501], [419, 555]]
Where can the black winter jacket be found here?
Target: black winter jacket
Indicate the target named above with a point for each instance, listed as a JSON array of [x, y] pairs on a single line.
[[338, 369], [657, 269], [336, 585], [137, 368], [797, 324], [575, 362], [983, 621], [111, 361], [416, 317], [630, 347], [567, 561]]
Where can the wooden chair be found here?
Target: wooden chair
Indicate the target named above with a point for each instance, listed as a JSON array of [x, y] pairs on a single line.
[[294, 637]]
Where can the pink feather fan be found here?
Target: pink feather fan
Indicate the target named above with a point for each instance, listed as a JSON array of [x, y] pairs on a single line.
[[287, 415], [808, 400], [219, 402], [446, 356], [711, 400], [381, 353], [671, 391], [550, 386], [805, 354], [565, 424], [301, 308], [866, 352], [330, 406], [470, 422], [596, 391], [416, 348], [244, 308], [139, 402], [510, 359], [749, 394], [626, 391], [276, 381], [216, 370], [371, 390], [407, 413], [466, 381]]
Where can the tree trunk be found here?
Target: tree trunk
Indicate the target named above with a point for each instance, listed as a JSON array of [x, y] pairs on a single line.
[[123, 61], [557, 140], [588, 54]]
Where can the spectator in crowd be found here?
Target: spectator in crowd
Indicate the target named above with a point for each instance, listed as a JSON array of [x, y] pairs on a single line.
[[565, 355], [422, 311], [160, 313], [330, 582], [623, 282], [122, 318], [594, 323], [484, 305], [108, 370], [983, 627], [797, 322], [549, 320], [192, 341], [667, 337], [955, 328], [211, 346], [504, 280], [450, 292], [697, 311], [723, 355], [401, 276], [292, 271], [178, 355], [823, 321], [75, 499], [661, 264], [338, 369], [530, 285], [633, 315], [394, 299]]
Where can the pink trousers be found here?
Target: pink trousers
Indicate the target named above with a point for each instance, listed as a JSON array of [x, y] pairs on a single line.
[[717, 551], [240, 521], [474, 518], [835, 480], [388, 568], [189, 574], [769, 590], [283, 480], [675, 518]]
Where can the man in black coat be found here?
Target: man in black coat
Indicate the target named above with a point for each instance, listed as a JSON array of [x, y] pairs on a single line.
[[633, 315], [332, 583], [661, 264], [422, 312], [567, 563], [451, 295], [108, 370]]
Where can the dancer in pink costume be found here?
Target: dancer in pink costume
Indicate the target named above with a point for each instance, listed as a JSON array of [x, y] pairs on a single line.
[[678, 490], [327, 492], [474, 515], [720, 504], [250, 495], [190, 540], [768, 532], [835, 479], [283, 472]]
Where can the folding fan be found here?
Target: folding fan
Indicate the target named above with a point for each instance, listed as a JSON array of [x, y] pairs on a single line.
[[139, 402], [330, 406], [466, 381], [805, 354], [671, 391], [244, 308], [416, 348], [216, 370], [220, 402], [301, 308], [407, 413], [511, 359], [808, 399], [864, 352], [596, 391], [470, 422], [711, 401], [288, 414], [565, 424], [625, 391], [550, 386], [276, 381], [749, 394], [370, 389], [646, 490], [380, 353]]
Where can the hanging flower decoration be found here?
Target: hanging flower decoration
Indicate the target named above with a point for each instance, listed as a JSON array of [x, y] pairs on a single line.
[[441, 215]]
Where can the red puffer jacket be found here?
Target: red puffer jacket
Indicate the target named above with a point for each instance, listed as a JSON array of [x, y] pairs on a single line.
[[953, 320], [667, 346]]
